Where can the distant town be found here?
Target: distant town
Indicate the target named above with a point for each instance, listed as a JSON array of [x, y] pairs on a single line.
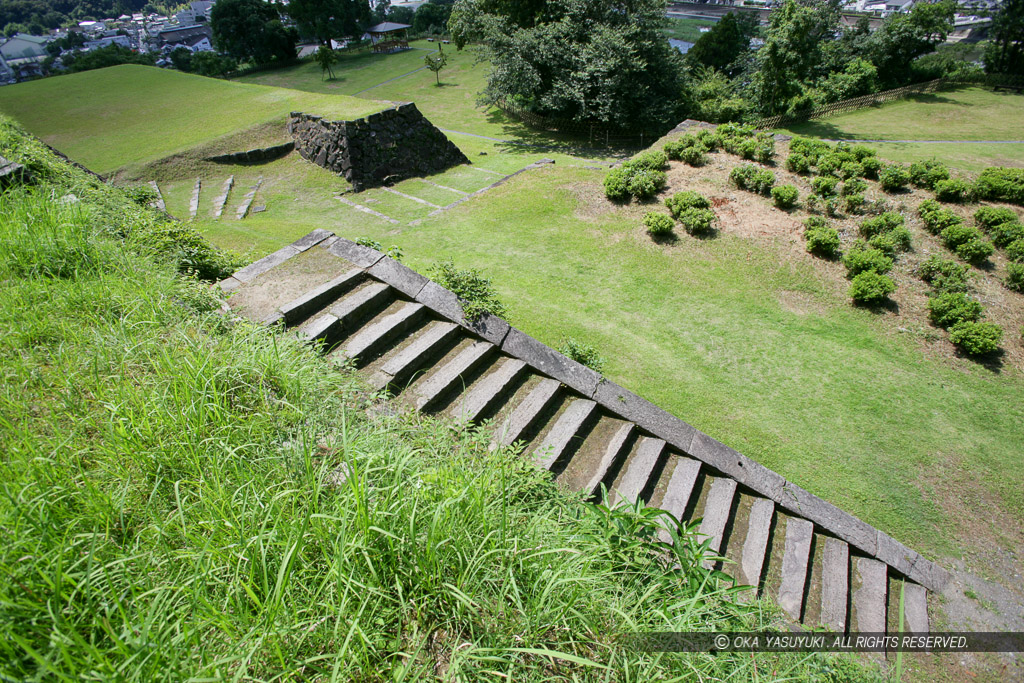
[[30, 55]]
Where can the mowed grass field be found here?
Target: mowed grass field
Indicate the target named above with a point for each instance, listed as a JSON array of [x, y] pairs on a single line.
[[968, 118], [113, 117]]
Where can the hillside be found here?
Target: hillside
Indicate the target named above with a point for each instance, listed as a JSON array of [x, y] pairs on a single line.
[[188, 496], [109, 118]]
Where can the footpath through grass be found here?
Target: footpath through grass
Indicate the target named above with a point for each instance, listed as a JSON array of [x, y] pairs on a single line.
[[113, 117], [964, 114], [189, 498]]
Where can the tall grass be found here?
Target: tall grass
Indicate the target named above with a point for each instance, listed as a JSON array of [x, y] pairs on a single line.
[[183, 497]]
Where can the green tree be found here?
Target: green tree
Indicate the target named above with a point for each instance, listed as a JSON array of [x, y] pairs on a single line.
[[181, 58], [722, 46], [593, 61], [327, 19], [431, 17], [326, 58], [793, 52], [435, 63], [1005, 52], [905, 36], [401, 15], [251, 30], [212, 64]]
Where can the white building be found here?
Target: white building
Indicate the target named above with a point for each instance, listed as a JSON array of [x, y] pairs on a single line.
[[197, 13]]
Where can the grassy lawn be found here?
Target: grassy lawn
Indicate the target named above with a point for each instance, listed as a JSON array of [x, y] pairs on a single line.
[[108, 118], [958, 115]]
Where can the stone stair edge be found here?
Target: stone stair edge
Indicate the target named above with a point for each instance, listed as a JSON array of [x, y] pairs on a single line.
[[618, 400]]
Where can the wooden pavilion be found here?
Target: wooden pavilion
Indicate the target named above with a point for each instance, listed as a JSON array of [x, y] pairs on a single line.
[[389, 37]]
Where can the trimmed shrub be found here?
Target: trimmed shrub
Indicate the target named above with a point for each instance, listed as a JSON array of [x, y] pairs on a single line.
[[681, 201], [860, 152], [885, 244], [752, 178], [1006, 233], [870, 288], [990, 216], [812, 149], [616, 185], [854, 186], [936, 220], [709, 138], [674, 148], [975, 251], [947, 309], [1015, 277], [698, 221], [953, 191], [824, 185], [944, 275], [651, 161], [955, 235], [861, 259], [822, 240], [1015, 251], [901, 236], [785, 196], [798, 163], [646, 183], [926, 174], [872, 166], [853, 203], [695, 156], [893, 178], [976, 338], [850, 169], [1001, 184], [658, 223], [828, 164], [880, 224]]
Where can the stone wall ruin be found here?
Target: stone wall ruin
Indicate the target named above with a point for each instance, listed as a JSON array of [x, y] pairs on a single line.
[[377, 150]]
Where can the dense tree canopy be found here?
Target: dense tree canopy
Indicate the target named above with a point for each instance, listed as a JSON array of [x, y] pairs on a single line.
[[1005, 53], [251, 30], [327, 19], [904, 37], [603, 61], [432, 16]]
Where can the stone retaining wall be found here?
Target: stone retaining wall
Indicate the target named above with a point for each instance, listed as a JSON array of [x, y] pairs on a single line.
[[380, 149]]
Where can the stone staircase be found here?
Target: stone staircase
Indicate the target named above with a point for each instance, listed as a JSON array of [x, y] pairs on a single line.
[[823, 566]]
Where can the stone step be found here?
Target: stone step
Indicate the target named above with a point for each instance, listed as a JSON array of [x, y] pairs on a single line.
[[369, 340], [448, 375], [614, 450], [835, 584], [413, 357], [345, 312], [243, 208], [681, 481], [193, 205], [915, 608], [717, 511], [522, 417], [220, 200], [799, 533], [312, 301], [157, 203], [869, 588], [637, 471], [485, 394], [756, 542], [565, 433]]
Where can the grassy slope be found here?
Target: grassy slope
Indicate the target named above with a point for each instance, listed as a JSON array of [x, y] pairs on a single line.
[[169, 513], [965, 114], [112, 117]]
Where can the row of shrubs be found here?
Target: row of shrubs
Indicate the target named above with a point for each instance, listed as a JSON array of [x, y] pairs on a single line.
[[950, 308], [1007, 233], [967, 242], [743, 141], [692, 210], [869, 260]]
